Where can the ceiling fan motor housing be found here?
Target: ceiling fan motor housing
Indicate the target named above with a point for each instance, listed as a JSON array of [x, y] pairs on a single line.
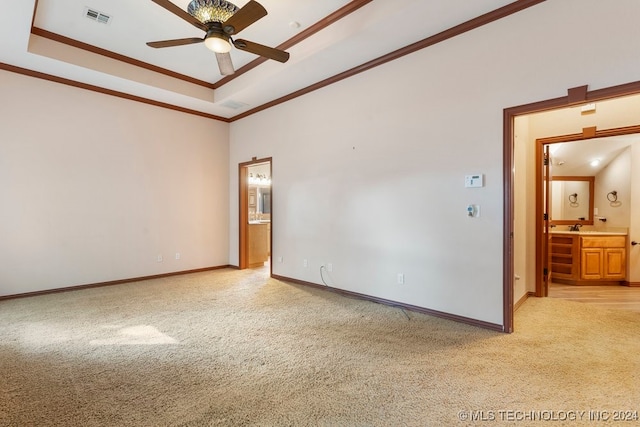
[[215, 30]]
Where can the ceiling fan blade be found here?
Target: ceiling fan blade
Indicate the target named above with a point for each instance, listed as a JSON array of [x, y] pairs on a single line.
[[224, 64], [180, 13], [262, 50], [247, 15], [176, 42]]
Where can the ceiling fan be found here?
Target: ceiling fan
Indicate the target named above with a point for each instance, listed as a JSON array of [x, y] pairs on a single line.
[[221, 19]]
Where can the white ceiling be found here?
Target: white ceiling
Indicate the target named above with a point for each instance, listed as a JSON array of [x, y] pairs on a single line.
[[574, 158], [378, 28]]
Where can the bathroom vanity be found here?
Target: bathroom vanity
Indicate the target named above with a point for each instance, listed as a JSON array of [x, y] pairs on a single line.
[[258, 234], [588, 257]]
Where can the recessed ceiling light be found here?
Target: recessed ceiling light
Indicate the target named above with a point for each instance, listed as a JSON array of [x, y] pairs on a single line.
[[294, 24], [595, 162]]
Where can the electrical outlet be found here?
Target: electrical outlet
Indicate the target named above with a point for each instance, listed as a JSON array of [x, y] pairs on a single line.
[[159, 259], [280, 259], [329, 267], [177, 255], [400, 279], [306, 262]]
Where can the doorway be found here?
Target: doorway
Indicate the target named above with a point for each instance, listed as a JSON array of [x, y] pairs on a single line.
[[575, 97], [256, 213], [565, 198]]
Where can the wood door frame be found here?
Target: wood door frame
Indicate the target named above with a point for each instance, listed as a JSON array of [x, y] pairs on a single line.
[[243, 214], [575, 96], [543, 171]]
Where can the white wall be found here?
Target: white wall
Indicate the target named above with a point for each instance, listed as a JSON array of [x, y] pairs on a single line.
[[93, 188], [523, 212], [633, 268], [260, 169], [368, 173], [616, 176]]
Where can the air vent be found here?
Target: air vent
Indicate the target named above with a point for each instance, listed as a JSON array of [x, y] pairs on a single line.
[[234, 105], [94, 15]]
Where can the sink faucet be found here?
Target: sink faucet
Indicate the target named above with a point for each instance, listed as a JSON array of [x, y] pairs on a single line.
[[575, 227]]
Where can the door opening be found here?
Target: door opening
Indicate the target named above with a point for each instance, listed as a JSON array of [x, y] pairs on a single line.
[[575, 96], [255, 214], [566, 266]]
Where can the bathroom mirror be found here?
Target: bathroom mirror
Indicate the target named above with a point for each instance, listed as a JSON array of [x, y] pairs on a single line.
[[572, 200], [264, 200]]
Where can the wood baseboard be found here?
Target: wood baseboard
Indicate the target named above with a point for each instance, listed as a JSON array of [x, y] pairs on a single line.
[[110, 283], [522, 300], [435, 313], [631, 284]]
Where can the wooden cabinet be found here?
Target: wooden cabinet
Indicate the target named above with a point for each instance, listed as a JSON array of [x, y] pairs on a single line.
[[257, 244], [565, 260], [603, 258], [580, 259]]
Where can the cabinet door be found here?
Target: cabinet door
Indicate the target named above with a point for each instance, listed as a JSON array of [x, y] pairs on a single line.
[[592, 264], [257, 244], [614, 263]]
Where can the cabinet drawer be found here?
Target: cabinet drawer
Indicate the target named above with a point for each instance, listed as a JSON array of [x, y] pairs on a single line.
[[603, 241]]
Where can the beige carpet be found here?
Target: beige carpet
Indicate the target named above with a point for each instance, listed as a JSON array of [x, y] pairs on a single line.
[[233, 348]]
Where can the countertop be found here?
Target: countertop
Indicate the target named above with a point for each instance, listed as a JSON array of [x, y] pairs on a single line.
[[613, 231]]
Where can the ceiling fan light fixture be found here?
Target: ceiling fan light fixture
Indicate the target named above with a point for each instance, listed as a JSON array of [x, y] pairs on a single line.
[[207, 11], [220, 20], [217, 44]]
